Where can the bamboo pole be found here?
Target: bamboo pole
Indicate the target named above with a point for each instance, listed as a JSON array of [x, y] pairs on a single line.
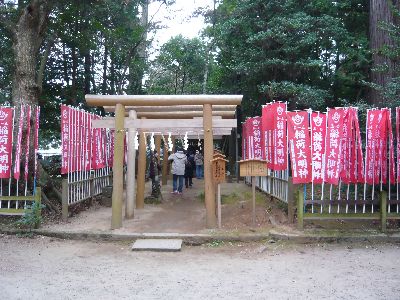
[[141, 171], [253, 189], [209, 194], [118, 171], [130, 174], [219, 205]]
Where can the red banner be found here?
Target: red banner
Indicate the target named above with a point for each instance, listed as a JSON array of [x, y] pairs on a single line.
[[255, 144], [333, 149], [346, 145], [244, 135], [72, 140], [398, 141], [98, 160], [37, 116], [111, 147], [28, 133], [299, 143], [275, 140], [88, 144], [17, 164], [318, 135], [267, 129], [357, 161], [385, 141], [6, 122], [373, 137]]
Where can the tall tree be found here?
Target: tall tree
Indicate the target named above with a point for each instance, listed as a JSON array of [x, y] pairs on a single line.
[[304, 52], [27, 33], [179, 67], [382, 15]]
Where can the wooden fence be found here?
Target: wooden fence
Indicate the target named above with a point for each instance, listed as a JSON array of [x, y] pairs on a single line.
[[329, 202], [17, 205]]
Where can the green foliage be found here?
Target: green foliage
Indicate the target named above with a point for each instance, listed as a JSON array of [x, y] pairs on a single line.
[[179, 68], [32, 216], [201, 196], [306, 52], [95, 47], [215, 244]]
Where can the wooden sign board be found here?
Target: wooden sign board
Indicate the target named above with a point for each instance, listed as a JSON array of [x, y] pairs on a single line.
[[218, 169], [253, 167]]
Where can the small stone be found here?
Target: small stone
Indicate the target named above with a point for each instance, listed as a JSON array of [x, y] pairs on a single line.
[[271, 241], [262, 249]]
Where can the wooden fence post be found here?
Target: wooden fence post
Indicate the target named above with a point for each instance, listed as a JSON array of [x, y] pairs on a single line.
[[291, 199], [91, 188], [383, 196], [38, 198], [300, 209], [64, 191]]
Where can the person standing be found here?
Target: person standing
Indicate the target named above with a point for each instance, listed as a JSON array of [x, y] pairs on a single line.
[[198, 158], [178, 170], [189, 168]]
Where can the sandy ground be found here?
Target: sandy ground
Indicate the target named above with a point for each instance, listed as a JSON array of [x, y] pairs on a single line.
[[44, 268], [182, 213]]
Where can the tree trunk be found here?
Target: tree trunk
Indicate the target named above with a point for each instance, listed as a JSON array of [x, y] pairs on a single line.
[[28, 38], [92, 72], [380, 12], [112, 77], [105, 61], [87, 65], [74, 76]]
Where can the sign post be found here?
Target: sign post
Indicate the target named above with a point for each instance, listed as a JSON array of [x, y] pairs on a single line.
[[253, 168], [218, 171]]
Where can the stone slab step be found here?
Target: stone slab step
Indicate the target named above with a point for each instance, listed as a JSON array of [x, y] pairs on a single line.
[[162, 245]]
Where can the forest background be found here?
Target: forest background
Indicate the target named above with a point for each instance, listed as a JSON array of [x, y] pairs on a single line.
[[314, 53]]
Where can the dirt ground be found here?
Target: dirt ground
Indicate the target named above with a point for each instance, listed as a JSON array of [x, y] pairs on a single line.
[[44, 268], [184, 213]]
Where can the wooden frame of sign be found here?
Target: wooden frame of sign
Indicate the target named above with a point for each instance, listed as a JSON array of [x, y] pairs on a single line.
[[218, 170], [253, 168]]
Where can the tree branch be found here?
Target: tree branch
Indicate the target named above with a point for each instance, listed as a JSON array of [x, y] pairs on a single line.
[[43, 61]]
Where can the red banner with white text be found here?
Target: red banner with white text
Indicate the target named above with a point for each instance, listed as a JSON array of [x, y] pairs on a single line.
[[299, 144], [275, 140], [333, 150], [318, 130], [6, 128]]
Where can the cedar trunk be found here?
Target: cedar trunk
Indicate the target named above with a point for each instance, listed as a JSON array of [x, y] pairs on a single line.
[[380, 12], [28, 37]]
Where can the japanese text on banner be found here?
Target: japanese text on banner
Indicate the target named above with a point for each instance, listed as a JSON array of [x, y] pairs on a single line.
[[299, 143], [333, 149], [318, 130], [5, 141]]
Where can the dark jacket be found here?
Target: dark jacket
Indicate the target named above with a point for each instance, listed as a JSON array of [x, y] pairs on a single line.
[[190, 166]]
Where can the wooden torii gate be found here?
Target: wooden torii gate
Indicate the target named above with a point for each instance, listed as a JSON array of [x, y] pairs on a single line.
[[172, 109]]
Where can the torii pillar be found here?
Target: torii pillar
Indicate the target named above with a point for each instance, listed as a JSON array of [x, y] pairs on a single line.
[[118, 167], [209, 191]]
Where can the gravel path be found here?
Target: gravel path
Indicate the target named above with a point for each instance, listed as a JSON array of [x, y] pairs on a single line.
[[44, 268]]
